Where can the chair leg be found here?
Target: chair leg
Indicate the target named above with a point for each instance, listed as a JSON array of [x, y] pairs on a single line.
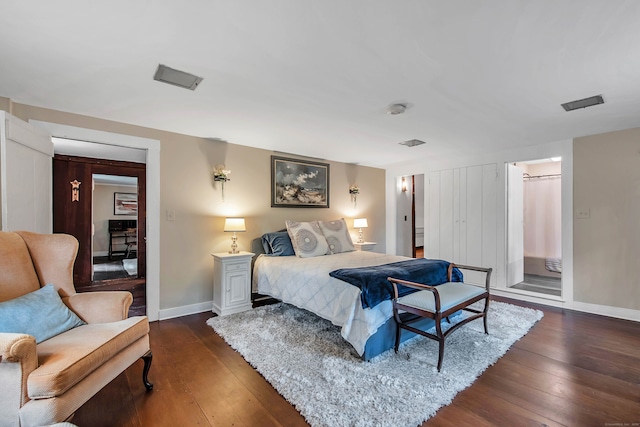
[[148, 356], [397, 345]]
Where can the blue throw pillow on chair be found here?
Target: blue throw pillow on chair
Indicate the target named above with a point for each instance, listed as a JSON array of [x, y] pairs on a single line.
[[40, 313]]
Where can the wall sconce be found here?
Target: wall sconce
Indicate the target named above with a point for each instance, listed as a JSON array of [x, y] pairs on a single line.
[[354, 190], [360, 223], [234, 224], [404, 185], [221, 175]]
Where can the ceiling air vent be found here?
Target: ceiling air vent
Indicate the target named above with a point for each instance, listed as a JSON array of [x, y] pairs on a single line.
[[583, 103], [412, 142], [176, 77]]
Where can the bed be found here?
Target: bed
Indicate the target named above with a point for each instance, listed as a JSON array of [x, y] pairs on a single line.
[[306, 283]]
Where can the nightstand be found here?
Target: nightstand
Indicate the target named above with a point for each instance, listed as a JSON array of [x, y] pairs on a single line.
[[365, 246], [231, 282]]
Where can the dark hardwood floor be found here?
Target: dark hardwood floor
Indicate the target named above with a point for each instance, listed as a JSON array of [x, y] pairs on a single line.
[[571, 369]]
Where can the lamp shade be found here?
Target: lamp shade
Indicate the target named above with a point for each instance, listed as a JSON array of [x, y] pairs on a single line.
[[360, 223], [234, 224]]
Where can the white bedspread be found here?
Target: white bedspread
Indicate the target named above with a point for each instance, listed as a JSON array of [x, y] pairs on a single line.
[[305, 283]]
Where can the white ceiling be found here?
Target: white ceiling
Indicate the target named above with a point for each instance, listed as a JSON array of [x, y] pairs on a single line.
[[314, 78]]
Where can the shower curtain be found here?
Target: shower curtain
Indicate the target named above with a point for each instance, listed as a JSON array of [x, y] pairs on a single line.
[[542, 218]]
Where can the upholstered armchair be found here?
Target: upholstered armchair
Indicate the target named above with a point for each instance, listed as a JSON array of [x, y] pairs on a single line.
[[71, 345]]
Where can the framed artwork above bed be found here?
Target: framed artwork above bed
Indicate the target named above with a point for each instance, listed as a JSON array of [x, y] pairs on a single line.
[[299, 183]]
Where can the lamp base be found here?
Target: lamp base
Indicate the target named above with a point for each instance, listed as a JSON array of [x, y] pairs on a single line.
[[234, 244]]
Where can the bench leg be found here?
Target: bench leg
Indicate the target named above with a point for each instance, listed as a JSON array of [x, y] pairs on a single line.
[[145, 371], [440, 336], [440, 353], [484, 320], [397, 345]]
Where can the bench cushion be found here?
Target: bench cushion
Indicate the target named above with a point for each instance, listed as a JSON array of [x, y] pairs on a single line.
[[451, 294], [67, 358]]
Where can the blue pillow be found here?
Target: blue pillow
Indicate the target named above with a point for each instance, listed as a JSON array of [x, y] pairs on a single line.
[[40, 313], [266, 246], [278, 244]]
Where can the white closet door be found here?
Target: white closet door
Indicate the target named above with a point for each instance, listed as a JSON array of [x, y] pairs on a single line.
[[446, 215], [25, 176], [433, 248], [462, 217], [474, 215], [489, 218], [515, 225], [456, 216], [479, 228]]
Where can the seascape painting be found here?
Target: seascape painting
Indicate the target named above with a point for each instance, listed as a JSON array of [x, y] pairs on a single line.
[[299, 183]]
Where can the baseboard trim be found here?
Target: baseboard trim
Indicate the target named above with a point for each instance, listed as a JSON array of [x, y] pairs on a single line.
[[185, 310], [602, 310]]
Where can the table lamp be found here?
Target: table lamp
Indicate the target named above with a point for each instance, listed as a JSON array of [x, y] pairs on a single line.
[[360, 223], [234, 225]]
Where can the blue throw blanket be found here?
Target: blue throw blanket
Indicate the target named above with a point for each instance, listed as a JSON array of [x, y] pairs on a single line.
[[375, 287]]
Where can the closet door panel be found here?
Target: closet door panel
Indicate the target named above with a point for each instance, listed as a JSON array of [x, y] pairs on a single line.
[[462, 216], [446, 215], [489, 217], [474, 215], [433, 248], [456, 216]]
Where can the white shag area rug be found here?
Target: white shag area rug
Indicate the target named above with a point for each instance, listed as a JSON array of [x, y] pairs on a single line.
[[307, 361]]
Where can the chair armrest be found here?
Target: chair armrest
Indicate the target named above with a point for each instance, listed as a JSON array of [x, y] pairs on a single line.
[[487, 272], [15, 347], [18, 359], [100, 307]]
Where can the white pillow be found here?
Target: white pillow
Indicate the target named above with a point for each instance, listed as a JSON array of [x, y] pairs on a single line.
[[307, 239], [337, 235]]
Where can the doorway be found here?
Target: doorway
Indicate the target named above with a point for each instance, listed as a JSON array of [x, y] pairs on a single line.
[[418, 215], [410, 212], [87, 213], [534, 217]]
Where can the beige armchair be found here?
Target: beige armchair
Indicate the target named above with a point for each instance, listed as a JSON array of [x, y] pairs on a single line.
[[47, 382]]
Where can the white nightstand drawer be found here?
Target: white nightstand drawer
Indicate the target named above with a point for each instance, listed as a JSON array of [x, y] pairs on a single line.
[[236, 267]]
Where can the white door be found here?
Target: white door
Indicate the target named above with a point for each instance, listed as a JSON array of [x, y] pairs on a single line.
[[515, 225], [25, 176], [462, 217], [432, 243]]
